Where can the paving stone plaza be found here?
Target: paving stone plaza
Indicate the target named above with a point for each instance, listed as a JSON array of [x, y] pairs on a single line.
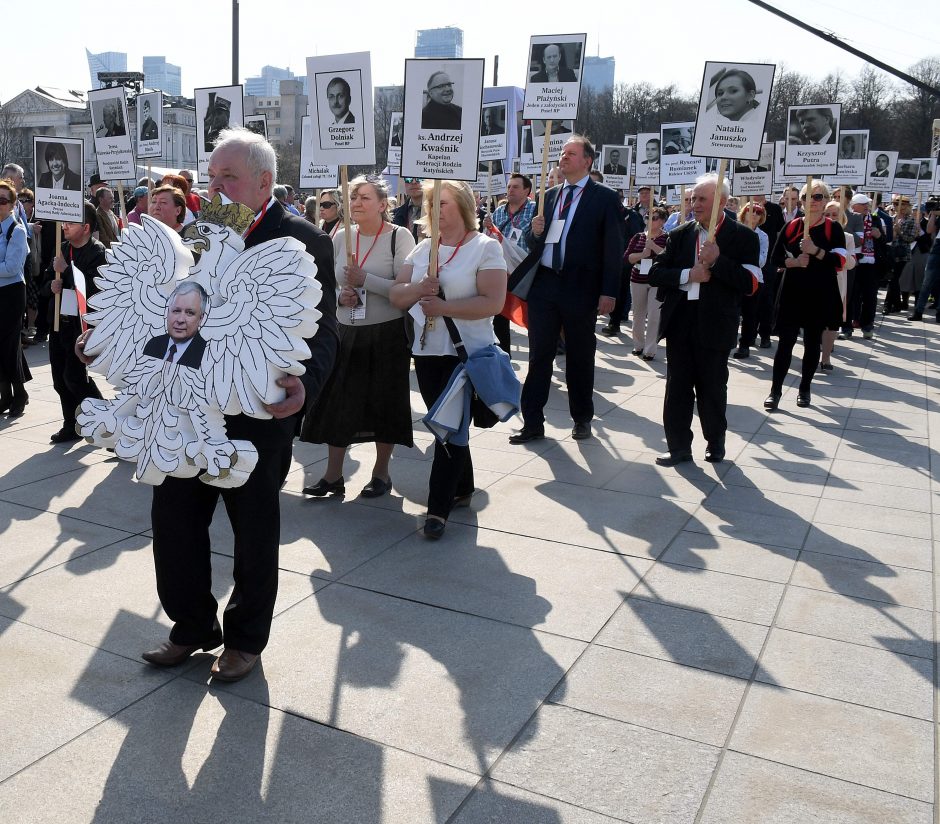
[[595, 640]]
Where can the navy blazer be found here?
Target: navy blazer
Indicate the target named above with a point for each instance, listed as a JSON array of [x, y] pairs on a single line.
[[719, 303], [594, 246]]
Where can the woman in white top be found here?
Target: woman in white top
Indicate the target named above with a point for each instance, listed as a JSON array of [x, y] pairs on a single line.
[[368, 397], [470, 287], [836, 214]]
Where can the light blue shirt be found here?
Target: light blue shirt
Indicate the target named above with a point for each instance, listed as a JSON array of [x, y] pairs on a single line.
[[12, 254], [569, 215]]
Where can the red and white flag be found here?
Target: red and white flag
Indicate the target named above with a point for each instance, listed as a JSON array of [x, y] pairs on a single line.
[[81, 294]]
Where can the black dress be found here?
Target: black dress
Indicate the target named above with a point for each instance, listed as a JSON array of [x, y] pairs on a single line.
[[810, 298]]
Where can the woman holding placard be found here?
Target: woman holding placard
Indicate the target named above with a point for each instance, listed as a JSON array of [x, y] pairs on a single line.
[[808, 297], [367, 399], [469, 286], [641, 253], [13, 250]]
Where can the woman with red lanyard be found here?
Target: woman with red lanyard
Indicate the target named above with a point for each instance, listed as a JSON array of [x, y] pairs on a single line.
[[368, 397], [470, 287], [808, 296], [641, 252]]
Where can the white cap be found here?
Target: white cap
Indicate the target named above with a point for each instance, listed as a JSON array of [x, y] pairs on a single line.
[[860, 200]]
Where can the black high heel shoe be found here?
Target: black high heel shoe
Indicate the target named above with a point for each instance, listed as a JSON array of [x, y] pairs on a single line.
[[324, 487]]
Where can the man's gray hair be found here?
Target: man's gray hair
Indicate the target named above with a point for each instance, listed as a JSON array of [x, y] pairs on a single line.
[[713, 179], [261, 156], [15, 168], [185, 288], [280, 192]]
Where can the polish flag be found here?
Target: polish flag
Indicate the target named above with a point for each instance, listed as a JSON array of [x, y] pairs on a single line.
[[81, 293]]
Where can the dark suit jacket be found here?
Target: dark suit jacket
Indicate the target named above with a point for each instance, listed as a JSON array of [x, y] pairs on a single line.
[[594, 246], [192, 357], [73, 183], [149, 130], [441, 116], [618, 169], [719, 303], [565, 75]]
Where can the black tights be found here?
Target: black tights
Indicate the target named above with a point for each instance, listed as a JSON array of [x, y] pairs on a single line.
[[812, 341]]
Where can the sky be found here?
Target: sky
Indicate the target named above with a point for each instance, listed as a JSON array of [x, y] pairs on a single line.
[[197, 36]]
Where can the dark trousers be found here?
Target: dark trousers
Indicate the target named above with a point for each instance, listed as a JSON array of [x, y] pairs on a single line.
[[786, 338], [624, 301], [69, 376], [893, 302], [501, 330], [863, 297], [931, 282], [766, 298], [750, 306], [694, 376], [556, 303], [182, 511], [452, 468]]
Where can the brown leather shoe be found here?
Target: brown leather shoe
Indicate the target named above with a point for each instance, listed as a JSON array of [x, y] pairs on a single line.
[[233, 665], [169, 654]]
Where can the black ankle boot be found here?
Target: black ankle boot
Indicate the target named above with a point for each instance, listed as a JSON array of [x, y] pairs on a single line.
[[6, 396]]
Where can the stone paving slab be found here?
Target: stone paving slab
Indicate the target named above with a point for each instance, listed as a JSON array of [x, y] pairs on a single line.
[[596, 639]]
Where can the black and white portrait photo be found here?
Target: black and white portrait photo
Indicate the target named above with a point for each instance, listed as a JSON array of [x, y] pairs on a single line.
[[612, 157], [879, 172], [733, 109], [853, 144], [217, 108], [257, 123], [342, 109], [443, 118], [648, 155], [677, 139], [553, 84], [149, 106], [926, 173], [676, 163], [58, 164], [813, 139], [906, 170], [493, 120], [754, 177], [439, 110], [882, 164], [395, 130], [111, 138]]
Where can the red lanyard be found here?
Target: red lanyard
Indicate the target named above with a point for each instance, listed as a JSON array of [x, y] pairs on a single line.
[[257, 220], [560, 210], [361, 263], [453, 255]]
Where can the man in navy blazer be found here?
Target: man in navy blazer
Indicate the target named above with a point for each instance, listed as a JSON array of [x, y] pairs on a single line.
[[701, 284], [576, 252]]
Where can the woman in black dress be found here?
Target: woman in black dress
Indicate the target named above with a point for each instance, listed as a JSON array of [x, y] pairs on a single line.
[[808, 297]]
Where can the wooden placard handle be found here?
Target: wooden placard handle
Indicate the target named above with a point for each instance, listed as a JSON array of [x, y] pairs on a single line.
[[316, 208], [58, 276], [489, 185], [713, 223], [344, 183], [149, 183], [809, 197], [682, 204], [435, 228], [548, 135], [122, 206]]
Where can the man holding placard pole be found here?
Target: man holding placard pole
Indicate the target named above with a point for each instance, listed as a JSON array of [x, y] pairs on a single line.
[[702, 276]]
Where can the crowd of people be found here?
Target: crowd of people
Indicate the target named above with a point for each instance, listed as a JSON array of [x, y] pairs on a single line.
[[713, 275]]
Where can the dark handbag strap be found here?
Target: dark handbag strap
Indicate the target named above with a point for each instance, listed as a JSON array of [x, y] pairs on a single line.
[[454, 333]]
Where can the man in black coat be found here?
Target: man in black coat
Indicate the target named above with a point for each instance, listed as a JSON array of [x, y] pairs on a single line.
[[575, 255], [701, 284], [181, 555]]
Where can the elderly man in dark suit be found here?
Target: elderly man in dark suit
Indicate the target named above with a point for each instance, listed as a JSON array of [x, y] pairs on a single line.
[[701, 284], [576, 253], [181, 556]]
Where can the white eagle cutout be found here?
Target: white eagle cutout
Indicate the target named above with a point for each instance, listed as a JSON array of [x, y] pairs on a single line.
[[168, 418]]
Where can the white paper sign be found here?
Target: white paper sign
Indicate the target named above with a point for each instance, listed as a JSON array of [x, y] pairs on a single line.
[[112, 141], [733, 110], [554, 82], [677, 165], [341, 109], [780, 178], [905, 177], [927, 169], [561, 131], [853, 157], [312, 175], [443, 100], [150, 125], [754, 177], [217, 108], [58, 164], [615, 166], [393, 152], [493, 131], [879, 173], [813, 139], [647, 161], [486, 183]]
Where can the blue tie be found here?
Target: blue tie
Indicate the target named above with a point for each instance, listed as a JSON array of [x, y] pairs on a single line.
[[566, 204]]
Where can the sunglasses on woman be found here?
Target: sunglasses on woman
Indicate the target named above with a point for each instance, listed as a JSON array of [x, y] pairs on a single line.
[[328, 205], [817, 196]]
